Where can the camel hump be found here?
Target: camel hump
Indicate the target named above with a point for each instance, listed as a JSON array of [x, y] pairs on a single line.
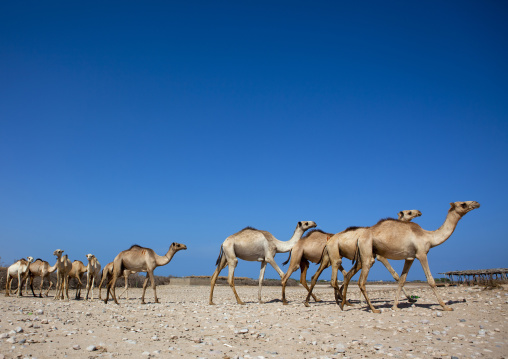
[[386, 219], [248, 228]]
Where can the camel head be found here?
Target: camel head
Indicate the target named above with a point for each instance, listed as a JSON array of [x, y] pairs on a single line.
[[304, 225], [30, 259], [463, 207], [177, 246], [58, 253], [408, 215], [89, 257]]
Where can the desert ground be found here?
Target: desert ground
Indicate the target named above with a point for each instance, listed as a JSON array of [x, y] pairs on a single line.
[[184, 325]]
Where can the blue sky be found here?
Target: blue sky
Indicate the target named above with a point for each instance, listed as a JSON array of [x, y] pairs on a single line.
[[160, 122]]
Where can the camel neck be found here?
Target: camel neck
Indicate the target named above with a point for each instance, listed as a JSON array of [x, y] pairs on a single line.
[[53, 268], [165, 259], [283, 247], [444, 232]]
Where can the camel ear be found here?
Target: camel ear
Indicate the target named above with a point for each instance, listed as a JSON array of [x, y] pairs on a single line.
[[299, 224], [401, 214], [452, 205]]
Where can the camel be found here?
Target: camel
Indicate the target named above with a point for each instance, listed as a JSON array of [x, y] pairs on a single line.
[[311, 249], [18, 269], [93, 270], [251, 244], [140, 259], [107, 274], [308, 248], [403, 241], [77, 271], [63, 267], [40, 268]]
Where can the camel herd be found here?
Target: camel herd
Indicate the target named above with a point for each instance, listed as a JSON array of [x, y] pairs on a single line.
[[396, 239]]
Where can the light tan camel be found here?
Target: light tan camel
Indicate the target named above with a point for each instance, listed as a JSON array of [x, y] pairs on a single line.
[[107, 274], [403, 241], [18, 269], [253, 245], [63, 267], [344, 244], [40, 268], [93, 271], [140, 259], [77, 271]]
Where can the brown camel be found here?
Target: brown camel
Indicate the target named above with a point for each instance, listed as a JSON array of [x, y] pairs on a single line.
[[140, 259], [17, 269], [311, 247], [63, 267], [403, 241], [77, 271], [253, 245], [308, 249], [93, 270], [107, 274], [40, 268]]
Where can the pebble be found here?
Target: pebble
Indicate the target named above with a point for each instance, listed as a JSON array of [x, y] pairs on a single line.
[[91, 348]]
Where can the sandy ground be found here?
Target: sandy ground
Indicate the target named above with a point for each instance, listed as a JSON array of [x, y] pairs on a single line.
[[184, 325]]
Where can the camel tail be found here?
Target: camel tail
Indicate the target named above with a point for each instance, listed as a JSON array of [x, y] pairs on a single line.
[[221, 253], [325, 250], [357, 258], [286, 262]]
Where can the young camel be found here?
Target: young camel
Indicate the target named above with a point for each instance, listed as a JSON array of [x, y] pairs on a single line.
[[107, 274], [93, 270], [40, 268], [311, 249], [77, 271], [18, 269], [63, 267], [254, 245], [140, 259], [404, 241]]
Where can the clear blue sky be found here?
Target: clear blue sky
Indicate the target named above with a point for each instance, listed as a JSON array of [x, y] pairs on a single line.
[[151, 123]]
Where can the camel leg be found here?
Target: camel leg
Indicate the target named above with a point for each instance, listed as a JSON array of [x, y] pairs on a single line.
[[30, 282], [425, 265], [336, 265], [145, 283], [347, 278], [338, 293], [88, 283], [275, 266], [394, 275], [50, 285], [215, 275], [110, 288], [8, 285], [325, 263], [66, 286], [284, 280], [57, 288], [304, 266], [231, 279], [363, 279], [402, 280], [260, 280], [100, 286], [20, 285]]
